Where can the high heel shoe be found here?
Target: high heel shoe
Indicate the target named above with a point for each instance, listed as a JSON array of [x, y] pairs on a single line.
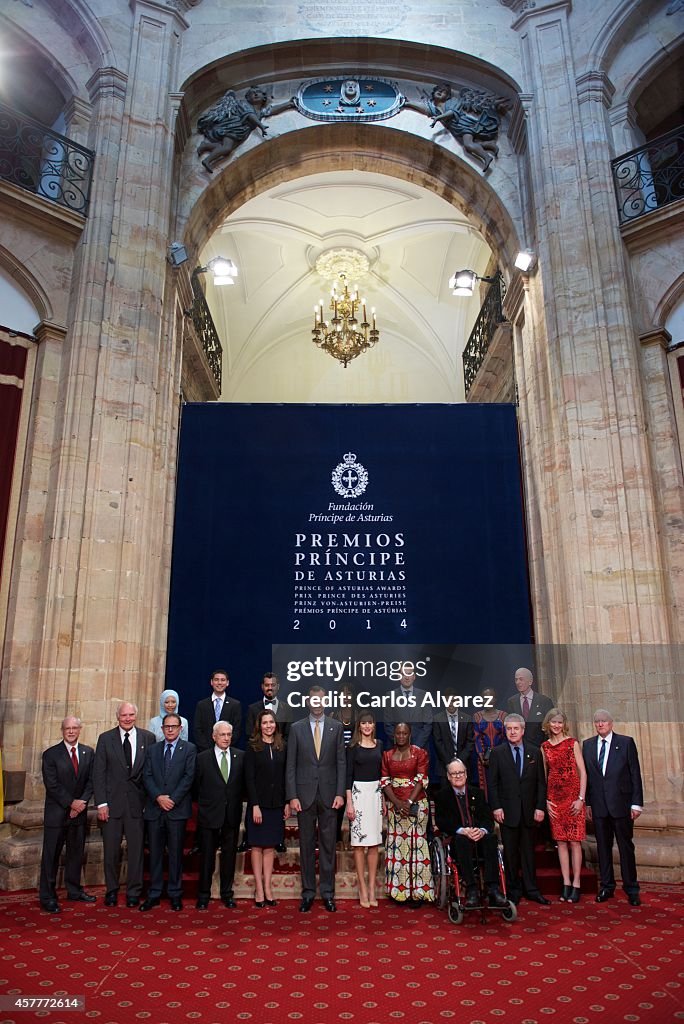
[[364, 903], [566, 893], [372, 903], [575, 894], [259, 903], [271, 903]]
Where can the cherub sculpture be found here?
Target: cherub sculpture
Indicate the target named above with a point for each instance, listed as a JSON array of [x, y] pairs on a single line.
[[230, 121], [473, 118]]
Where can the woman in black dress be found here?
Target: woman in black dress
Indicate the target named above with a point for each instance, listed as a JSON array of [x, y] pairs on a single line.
[[364, 804], [266, 805]]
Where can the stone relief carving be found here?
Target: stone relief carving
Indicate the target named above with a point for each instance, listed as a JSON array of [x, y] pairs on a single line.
[[230, 121], [472, 118]]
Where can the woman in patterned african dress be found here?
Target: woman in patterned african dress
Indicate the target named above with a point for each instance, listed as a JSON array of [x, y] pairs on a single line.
[[408, 875]]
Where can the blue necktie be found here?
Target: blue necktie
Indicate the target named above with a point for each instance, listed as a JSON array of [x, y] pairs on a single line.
[[518, 761], [167, 758], [217, 709], [602, 756]]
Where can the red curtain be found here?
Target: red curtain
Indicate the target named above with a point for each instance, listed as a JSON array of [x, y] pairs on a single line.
[[12, 369]]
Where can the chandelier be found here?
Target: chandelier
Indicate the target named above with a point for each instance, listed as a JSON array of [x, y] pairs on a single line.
[[348, 332]]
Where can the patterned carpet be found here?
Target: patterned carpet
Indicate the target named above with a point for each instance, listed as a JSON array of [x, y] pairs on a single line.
[[557, 965]]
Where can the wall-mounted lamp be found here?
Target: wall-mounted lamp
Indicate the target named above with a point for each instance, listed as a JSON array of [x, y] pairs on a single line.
[[223, 269], [177, 254], [526, 260], [463, 282]]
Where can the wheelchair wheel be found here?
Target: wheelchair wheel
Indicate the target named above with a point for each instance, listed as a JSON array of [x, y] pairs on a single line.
[[455, 912], [439, 872], [510, 913]]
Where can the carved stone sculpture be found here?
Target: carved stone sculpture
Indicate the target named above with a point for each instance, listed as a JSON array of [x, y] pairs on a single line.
[[473, 118], [230, 121]]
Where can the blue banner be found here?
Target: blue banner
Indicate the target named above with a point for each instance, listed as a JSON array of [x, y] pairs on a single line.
[[306, 524]]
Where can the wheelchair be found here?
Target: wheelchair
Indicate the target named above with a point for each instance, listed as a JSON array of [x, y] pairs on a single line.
[[450, 889]]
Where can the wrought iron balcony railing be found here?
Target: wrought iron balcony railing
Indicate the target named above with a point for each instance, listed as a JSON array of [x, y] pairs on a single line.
[[206, 330], [650, 177], [41, 161], [489, 318]]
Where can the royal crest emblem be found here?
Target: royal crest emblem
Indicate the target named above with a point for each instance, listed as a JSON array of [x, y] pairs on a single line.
[[349, 478]]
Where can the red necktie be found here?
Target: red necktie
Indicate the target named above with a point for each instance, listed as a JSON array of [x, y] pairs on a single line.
[[74, 759], [526, 708]]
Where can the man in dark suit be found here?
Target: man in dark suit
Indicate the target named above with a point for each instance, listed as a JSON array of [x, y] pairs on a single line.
[[531, 705], [219, 707], [168, 775], [409, 708], [315, 781], [270, 702], [220, 784], [67, 775], [453, 734], [615, 798], [120, 798], [517, 795], [461, 812]]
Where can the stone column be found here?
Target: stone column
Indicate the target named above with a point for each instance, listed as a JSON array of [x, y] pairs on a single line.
[[583, 424], [93, 575]]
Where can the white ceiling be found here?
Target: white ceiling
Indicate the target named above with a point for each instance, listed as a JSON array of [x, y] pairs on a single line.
[[414, 241]]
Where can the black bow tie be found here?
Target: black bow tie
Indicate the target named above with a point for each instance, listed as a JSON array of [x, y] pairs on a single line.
[[269, 703]]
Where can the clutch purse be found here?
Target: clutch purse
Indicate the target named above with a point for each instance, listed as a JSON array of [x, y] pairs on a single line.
[[413, 810]]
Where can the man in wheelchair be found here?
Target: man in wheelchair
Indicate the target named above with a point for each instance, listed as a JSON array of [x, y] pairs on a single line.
[[461, 812]]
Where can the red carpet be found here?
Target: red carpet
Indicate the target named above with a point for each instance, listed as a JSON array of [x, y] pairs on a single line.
[[561, 965]]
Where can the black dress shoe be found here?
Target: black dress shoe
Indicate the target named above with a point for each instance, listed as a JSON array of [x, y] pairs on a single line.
[[201, 904], [111, 898], [603, 895], [281, 848], [148, 904], [51, 907], [229, 902], [329, 905], [176, 903], [133, 901], [243, 847], [472, 897], [83, 897], [536, 897], [634, 899], [306, 904], [497, 899]]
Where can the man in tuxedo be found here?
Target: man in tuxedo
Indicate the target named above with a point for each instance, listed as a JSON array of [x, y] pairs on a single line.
[[219, 707], [283, 716], [220, 784], [315, 782], [120, 798], [68, 779], [517, 794], [168, 775], [453, 734], [615, 798], [418, 717], [461, 811], [270, 702], [531, 705]]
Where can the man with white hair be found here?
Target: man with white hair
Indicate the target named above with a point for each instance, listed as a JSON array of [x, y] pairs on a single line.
[[220, 784], [615, 798], [68, 779], [531, 705], [120, 798]]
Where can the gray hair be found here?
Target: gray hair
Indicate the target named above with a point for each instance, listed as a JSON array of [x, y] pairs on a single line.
[[514, 718], [216, 725], [602, 713], [124, 704], [456, 760]]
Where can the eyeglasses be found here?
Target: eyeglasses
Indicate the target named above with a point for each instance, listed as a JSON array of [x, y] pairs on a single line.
[[456, 773], [171, 726]]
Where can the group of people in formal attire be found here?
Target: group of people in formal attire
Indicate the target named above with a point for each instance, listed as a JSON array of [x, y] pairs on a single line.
[[496, 769]]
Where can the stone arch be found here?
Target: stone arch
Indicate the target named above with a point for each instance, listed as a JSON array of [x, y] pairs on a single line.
[[30, 285], [673, 297], [360, 147]]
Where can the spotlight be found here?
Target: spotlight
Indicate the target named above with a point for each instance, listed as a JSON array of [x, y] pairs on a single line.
[[526, 260]]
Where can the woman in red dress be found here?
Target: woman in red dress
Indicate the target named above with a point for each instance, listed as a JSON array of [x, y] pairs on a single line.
[[566, 784]]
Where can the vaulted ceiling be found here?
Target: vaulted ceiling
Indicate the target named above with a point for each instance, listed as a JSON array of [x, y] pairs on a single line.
[[413, 239]]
